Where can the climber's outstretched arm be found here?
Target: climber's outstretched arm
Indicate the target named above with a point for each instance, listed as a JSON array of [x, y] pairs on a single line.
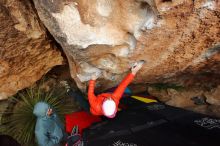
[[122, 86], [91, 95], [127, 80]]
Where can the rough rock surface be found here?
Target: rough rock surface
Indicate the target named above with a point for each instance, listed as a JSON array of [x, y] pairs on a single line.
[[180, 40], [179, 98], [26, 53], [186, 47], [196, 99], [213, 97]]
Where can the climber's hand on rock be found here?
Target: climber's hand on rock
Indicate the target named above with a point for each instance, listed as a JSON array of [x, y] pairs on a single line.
[[94, 76], [137, 66]]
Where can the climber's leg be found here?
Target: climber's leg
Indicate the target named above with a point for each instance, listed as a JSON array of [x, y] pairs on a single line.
[[80, 98]]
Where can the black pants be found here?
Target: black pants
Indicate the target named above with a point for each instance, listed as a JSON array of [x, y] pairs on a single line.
[[80, 98]]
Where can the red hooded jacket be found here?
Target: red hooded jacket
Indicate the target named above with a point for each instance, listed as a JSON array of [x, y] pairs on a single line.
[[96, 102]]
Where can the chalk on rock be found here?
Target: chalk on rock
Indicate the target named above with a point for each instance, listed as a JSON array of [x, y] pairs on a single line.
[[86, 71]]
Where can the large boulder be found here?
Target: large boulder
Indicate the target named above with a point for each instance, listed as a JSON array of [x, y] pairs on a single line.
[[26, 53], [180, 40]]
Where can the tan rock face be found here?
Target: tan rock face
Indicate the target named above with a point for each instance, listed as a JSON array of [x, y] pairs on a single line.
[[97, 36], [178, 98], [185, 48], [180, 40], [213, 97], [196, 99], [25, 51]]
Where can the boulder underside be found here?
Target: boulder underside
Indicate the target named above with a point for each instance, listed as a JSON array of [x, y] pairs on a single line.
[[179, 40]]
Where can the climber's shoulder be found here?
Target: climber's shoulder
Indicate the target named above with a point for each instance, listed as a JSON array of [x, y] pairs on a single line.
[[105, 95]]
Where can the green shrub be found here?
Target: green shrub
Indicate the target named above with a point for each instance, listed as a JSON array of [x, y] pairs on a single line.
[[19, 121]]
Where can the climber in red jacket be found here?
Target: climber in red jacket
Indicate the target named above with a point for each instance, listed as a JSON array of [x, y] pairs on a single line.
[[107, 103]]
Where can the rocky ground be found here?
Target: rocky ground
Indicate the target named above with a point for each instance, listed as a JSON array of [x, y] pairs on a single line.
[[196, 99]]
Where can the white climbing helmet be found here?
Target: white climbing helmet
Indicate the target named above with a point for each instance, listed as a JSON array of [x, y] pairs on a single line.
[[109, 108]]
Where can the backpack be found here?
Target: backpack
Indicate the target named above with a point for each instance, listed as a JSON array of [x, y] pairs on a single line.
[[75, 138]]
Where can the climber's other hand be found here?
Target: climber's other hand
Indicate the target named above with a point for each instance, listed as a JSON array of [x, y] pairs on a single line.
[[94, 76], [137, 66]]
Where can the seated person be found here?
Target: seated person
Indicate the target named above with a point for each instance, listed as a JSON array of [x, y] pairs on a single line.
[[49, 131]]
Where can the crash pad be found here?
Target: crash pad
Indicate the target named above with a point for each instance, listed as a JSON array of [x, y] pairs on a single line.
[[144, 99], [81, 119], [155, 124]]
